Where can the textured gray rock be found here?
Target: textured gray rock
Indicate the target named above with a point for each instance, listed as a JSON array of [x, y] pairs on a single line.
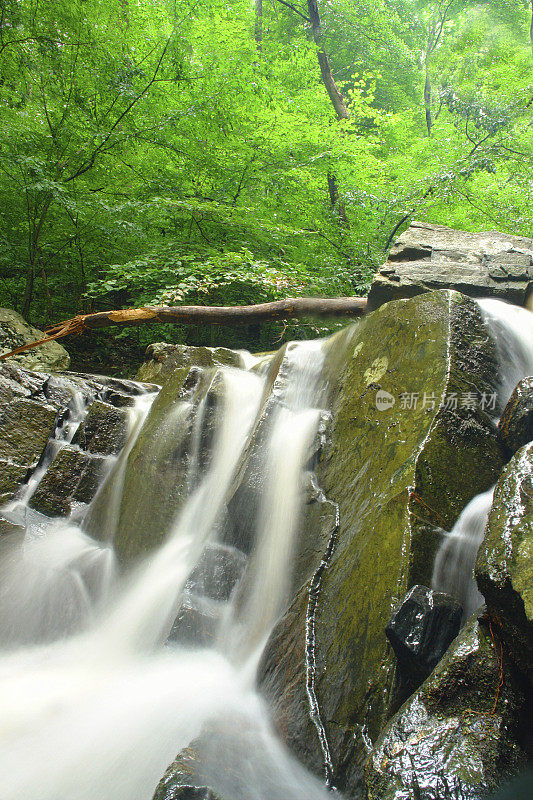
[[504, 567], [516, 423], [15, 332], [73, 476], [427, 257], [25, 426], [457, 736], [104, 429]]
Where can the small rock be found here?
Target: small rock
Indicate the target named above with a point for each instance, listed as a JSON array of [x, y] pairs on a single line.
[[196, 623], [456, 737], [420, 631], [162, 359], [516, 423], [104, 430], [72, 476], [504, 567], [217, 572]]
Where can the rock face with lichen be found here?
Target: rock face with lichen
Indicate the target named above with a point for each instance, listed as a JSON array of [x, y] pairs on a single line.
[[397, 474], [427, 257]]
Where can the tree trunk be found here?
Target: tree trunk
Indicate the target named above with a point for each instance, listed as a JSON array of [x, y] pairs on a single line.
[[531, 28], [427, 102], [293, 308], [332, 89], [258, 31]]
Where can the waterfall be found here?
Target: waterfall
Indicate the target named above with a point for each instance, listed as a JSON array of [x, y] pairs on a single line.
[[512, 330], [453, 571], [95, 702]]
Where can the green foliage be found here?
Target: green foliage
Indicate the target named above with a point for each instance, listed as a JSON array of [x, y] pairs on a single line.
[[156, 152]]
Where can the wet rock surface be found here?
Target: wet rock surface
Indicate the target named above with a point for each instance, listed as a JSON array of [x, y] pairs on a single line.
[[16, 332], [457, 736], [399, 476], [516, 423], [73, 476], [104, 430], [504, 567], [33, 408], [428, 257], [420, 631]]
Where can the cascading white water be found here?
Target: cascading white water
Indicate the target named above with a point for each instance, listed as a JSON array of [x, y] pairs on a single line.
[[453, 572], [454, 564], [512, 329], [98, 707]]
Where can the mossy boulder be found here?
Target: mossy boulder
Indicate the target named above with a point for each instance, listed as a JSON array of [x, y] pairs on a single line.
[[504, 567], [457, 736], [516, 423], [16, 332], [398, 473], [162, 359]]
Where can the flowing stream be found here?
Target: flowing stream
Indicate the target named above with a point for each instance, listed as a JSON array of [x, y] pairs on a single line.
[[453, 572], [96, 700]]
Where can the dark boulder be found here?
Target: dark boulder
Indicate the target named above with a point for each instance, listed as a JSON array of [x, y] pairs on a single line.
[[457, 736], [420, 630], [428, 257], [516, 423]]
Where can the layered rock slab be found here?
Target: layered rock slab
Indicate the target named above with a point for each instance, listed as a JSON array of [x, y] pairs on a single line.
[[428, 257], [396, 474]]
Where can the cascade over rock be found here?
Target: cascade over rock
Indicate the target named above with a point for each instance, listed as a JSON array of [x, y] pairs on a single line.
[[457, 736], [397, 475], [427, 257], [504, 567]]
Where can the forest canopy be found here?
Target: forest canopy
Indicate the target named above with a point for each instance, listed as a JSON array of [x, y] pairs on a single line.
[[220, 152]]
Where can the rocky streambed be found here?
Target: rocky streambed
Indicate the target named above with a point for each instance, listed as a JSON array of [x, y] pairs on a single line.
[[373, 679]]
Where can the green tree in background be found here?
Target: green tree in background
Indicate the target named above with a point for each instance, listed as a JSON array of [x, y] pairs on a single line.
[[193, 151]]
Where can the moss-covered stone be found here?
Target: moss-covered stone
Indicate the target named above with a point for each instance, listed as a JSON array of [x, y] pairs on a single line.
[[160, 458], [12, 476], [15, 332], [504, 567], [457, 736], [396, 474], [162, 359]]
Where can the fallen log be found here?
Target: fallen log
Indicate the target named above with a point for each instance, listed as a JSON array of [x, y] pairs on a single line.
[[293, 308]]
